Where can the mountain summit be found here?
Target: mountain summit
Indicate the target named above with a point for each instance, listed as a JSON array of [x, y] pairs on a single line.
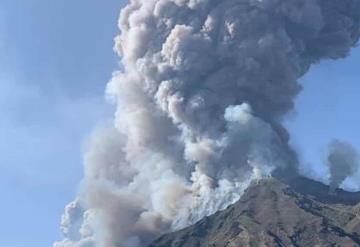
[[275, 212]]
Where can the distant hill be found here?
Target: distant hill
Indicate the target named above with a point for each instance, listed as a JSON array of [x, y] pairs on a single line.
[[277, 212]]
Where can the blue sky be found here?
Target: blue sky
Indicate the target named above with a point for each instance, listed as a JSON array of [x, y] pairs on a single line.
[[56, 57], [327, 108]]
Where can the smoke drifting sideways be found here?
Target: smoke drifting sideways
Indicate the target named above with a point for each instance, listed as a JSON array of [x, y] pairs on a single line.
[[204, 88], [343, 162]]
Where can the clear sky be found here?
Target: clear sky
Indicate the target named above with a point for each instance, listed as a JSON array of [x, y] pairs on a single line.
[[55, 59]]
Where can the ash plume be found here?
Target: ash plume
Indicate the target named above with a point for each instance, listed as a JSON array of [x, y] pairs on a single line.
[[204, 88], [343, 162]]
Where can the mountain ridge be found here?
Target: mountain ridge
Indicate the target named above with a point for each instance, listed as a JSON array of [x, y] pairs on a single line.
[[278, 211]]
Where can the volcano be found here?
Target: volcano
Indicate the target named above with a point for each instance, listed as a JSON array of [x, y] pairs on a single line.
[[278, 212], [201, 97]]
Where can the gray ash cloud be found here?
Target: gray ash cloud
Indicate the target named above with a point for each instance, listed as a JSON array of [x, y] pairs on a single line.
[[200, 101], [343, 162]]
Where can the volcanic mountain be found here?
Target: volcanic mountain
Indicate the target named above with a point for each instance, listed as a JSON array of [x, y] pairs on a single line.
[[278, 212]]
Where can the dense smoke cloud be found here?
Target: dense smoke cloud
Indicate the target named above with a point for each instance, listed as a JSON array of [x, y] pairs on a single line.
[[343, 162], [204, 87]]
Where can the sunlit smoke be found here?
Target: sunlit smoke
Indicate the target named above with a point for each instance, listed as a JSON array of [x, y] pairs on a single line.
[[204, 88]]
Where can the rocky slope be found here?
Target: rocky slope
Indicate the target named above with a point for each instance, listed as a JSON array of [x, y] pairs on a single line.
[[296, 212]]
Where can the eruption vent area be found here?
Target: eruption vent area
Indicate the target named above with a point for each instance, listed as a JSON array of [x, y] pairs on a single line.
[[343, 162], [204, 88]]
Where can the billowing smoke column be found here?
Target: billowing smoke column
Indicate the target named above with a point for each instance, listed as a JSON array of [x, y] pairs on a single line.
[[204, 87], [343, 162]]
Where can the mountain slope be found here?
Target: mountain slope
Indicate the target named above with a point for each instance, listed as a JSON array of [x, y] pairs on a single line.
[[298, 212]]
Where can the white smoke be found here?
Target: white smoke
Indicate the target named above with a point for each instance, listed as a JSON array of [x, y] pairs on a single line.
[[343, 162], [204, 87]]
